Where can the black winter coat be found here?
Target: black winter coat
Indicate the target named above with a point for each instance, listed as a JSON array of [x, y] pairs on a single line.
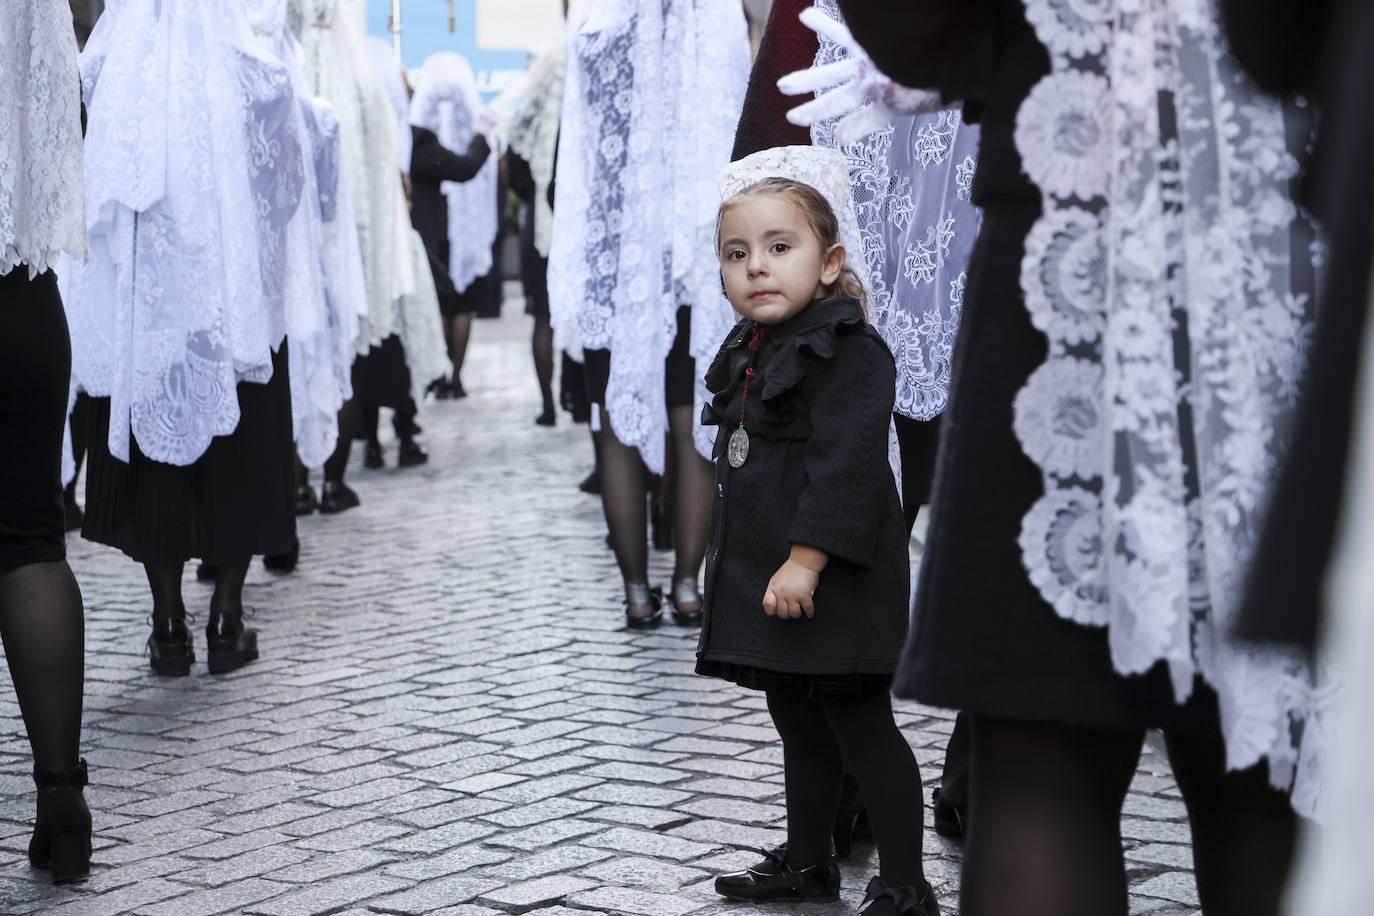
[[817, 474]]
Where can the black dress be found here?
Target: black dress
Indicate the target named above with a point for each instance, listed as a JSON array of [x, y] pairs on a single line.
[[431, 163], [234, 502], [534, 267], [982, 638], [816, 474], [35, 370]]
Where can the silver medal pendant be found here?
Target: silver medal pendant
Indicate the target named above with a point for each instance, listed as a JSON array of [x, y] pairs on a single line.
[[738, 448]]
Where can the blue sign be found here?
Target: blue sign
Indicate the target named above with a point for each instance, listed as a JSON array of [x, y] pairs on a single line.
[[425, 30]]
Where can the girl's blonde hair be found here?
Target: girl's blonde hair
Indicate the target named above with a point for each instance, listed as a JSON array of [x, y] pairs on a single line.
[[819, 216]]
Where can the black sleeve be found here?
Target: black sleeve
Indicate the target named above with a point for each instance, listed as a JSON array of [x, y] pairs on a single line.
[[431, 160], [949, 45], [850, 397], [520, 178]]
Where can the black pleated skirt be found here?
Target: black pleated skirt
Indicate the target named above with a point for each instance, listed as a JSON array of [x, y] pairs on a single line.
[[35, 370], [679, 369], [381, 378], [982, 639], [234, 502]]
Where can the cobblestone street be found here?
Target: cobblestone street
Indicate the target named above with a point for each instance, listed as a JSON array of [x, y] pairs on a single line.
[[449, 718]]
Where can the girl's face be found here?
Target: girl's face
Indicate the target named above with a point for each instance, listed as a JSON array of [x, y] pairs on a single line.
[[771, 260]]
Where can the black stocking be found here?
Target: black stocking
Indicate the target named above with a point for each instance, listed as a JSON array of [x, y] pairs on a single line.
[[80, 427], [459, 331], [1243, 829], [165, 581], [812, 770], [541, 345], [228, 597], [622, 498], [44, 633], [1044, 835], [881, 762], [369, 418], [337, 463], [695, 480]]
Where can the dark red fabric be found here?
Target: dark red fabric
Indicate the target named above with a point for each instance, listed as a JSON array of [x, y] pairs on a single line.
[[787, 46]]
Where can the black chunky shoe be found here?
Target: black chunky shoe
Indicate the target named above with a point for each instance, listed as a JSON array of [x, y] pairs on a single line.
[[229, 645], [640, 595], [306, 501], [337, 497], [169, 648], [284, 562], [372, 456], [410, 454], [62, 831], [774, 881], [546, 418], [908, 900]]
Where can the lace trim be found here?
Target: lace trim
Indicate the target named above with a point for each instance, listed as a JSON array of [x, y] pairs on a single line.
[[1160, 273]]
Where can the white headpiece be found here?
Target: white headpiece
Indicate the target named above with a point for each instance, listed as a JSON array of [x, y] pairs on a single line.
[[826, 170]]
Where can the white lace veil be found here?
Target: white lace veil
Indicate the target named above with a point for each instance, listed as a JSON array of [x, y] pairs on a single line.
[[393, 76], [1162, 273], [41, 194], [529, 113], [912, 185], [446, 102], [652, 95], [193, 186]]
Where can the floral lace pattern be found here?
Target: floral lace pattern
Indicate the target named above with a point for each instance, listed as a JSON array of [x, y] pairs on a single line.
[[530, 112], [194, 188], [1160, 272], [622, 261], [41, 206], [912, 188], [446, 102]]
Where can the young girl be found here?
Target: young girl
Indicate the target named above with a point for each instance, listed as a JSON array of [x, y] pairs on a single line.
[[807, 569]]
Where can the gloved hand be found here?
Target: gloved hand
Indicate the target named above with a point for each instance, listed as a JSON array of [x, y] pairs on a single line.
[[864, 100], [487, 122]]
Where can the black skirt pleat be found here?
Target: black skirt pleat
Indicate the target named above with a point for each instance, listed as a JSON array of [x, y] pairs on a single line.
[[234, 502]]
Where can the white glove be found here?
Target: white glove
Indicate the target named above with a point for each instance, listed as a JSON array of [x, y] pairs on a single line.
[[855, 81], [487, 122]]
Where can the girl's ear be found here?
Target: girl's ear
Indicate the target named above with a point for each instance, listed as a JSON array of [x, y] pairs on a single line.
[[832, 264]]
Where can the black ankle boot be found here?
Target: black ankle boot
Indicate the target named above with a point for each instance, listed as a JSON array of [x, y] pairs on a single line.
[[306, 501], [410, 454], [169, 648], [229, 645], [773, 880], [372, 455], [62, 831], [337, 497], [907, 900]]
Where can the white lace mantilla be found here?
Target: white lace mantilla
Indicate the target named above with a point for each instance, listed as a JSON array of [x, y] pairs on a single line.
[[652, 96], [1161, 274], [529, 113], [446, 102], [393, 77], [195, 177], [41, 208], [912, 185]]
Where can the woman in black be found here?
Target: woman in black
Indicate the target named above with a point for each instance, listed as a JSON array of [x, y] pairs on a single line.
[[1056, 731], [534, 270]]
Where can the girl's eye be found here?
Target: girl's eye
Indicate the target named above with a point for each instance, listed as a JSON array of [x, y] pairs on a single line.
[[734, 255], [780, 247]]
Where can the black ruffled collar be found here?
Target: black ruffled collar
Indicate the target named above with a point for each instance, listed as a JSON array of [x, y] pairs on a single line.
[[812, 330]]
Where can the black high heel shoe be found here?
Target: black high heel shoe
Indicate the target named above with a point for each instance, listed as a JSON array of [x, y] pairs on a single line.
[[62, 831], [169, 648], [907, 900], [851, 820], [685, 591], [229, 645], [774, 881], [640, 595]]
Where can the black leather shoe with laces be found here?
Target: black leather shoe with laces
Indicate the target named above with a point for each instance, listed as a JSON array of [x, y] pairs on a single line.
[[169, 648], [774, 881], [229, 645]]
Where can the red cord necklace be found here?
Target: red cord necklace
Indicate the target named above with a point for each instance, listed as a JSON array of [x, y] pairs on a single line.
[[737, 449]]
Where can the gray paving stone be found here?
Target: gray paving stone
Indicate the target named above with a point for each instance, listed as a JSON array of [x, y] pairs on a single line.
[[328, 895], [527, 895], [434, 895]]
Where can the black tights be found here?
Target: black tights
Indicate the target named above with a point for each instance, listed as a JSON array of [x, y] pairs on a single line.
[[350, 418], [402, 420], [541, 346], [44, 632], [822, 739], [165, 581], [1045, 822], [622, 497], [457, 333]]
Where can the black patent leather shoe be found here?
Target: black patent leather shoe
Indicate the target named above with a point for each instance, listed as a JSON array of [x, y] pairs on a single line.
[[372, 456], [774, 881], [169, 648], [641, 596], [229, 645], [686, 601], [337, 497], [908, 900], [306, 501], [410, 454]]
